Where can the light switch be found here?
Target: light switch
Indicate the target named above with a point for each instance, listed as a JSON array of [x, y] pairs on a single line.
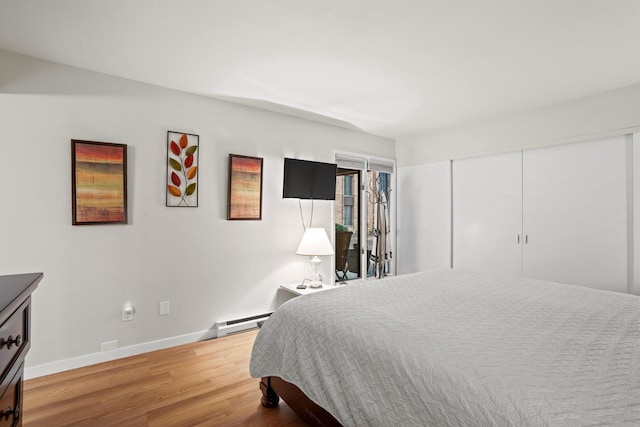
[[163, 308]]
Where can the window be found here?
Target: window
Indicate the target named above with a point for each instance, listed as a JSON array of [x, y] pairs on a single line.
[[363, 218], [347, 218], [348, 215], [347, 200], [380, 249], [348, 185]]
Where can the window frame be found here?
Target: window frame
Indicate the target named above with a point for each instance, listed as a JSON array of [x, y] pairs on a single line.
[[365, 163]]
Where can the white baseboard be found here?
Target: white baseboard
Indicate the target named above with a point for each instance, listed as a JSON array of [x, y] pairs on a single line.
[[106, 356]]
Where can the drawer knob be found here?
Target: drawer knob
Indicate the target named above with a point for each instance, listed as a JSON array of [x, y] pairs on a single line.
[[9, 411], [11, 341]]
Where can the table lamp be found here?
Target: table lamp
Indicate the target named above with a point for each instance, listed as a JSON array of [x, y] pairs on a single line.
[[315, 243]]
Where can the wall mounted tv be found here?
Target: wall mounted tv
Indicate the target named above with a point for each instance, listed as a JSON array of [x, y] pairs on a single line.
[[305, 179]]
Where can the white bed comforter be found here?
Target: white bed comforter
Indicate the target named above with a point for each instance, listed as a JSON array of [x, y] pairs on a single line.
[[460, 348]]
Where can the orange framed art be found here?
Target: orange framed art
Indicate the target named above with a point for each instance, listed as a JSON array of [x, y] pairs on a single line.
[[98, 182], [245, 188]]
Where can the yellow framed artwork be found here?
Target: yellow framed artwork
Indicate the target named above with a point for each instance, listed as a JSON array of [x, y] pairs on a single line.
[[98, 182], [245, 188]]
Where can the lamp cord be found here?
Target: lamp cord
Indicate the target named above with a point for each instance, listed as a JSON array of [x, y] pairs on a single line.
[[304, 227], [302, 216]]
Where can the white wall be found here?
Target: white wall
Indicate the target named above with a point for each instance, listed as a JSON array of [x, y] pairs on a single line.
[[424, 217], [615, 112], [635, 247], [208, 268]]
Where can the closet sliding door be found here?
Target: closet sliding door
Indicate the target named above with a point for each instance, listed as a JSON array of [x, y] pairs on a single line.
[[487, 213], [575, 213]]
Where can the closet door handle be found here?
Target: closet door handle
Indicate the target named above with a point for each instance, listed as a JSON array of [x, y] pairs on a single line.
[[517, 239], [526, 239]]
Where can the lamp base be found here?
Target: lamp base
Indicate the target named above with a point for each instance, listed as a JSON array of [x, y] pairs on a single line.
[[317, 281], [315, 285]]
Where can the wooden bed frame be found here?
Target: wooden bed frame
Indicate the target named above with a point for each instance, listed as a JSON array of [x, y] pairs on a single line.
[[314, 415]]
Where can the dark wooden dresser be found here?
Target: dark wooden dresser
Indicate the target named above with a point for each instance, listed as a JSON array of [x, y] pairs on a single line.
[[15, 340]]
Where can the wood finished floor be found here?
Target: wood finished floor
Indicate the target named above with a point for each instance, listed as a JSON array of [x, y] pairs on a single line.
[[200, 384]]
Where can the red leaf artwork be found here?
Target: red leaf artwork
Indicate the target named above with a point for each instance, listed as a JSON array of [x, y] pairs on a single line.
[[174, 148], [175, 179], [182, 169]]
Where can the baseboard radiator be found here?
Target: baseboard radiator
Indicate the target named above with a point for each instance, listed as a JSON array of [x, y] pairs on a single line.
[[239, 325]]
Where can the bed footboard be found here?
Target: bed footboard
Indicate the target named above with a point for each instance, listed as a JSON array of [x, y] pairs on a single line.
[[314, 415]]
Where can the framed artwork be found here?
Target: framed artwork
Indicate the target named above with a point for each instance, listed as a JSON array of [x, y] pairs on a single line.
[[245, 187], [182, 169], [98, 182]]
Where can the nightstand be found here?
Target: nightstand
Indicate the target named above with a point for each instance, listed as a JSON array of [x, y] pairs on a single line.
[[291, 287]]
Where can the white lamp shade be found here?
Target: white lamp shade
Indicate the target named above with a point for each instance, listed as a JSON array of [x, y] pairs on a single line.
[[315, 242]]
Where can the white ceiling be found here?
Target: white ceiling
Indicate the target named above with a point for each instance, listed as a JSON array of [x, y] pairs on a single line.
[[387, 67]]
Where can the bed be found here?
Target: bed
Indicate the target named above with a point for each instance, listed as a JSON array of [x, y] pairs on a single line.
[[449, 347]]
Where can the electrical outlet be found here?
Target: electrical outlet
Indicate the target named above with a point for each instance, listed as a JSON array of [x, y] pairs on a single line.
[[163, 308], [127, 313]]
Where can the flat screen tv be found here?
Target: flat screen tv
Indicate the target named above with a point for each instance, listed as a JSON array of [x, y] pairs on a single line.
[[305, 179]]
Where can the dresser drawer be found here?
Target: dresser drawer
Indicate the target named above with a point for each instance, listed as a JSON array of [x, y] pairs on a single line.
[[14, 339], [11, 400]]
